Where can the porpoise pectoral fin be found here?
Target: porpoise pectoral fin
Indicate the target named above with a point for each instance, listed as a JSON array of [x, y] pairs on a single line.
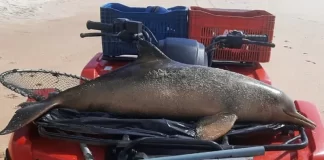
[[27, 114], [149, 52], [213, 127]]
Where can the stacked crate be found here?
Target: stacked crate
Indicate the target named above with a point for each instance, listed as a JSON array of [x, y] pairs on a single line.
[[196, 23], [205, 23], [170, 22]]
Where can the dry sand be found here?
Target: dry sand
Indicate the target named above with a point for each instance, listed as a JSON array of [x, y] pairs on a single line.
[[45, 34]]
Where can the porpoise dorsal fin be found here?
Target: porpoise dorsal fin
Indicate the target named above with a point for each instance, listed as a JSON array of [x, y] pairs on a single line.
[[149, 52]]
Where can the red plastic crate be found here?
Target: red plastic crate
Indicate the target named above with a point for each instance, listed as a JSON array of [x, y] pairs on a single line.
[[204, 23]]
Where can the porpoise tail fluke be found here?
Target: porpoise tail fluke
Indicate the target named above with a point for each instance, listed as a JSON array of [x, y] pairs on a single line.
[[27, 114]]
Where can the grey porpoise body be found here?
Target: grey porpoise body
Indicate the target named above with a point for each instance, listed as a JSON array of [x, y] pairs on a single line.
[[156, 86]]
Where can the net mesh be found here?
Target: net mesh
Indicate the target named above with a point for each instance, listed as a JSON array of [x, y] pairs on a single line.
[[28, 83]]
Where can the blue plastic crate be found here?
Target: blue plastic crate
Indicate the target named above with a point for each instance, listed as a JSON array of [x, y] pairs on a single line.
[[170, 22]]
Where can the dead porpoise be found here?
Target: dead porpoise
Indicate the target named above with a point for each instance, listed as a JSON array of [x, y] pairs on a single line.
[[156, 86]]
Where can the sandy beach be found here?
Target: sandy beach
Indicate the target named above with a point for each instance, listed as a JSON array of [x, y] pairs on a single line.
[[44, 34]]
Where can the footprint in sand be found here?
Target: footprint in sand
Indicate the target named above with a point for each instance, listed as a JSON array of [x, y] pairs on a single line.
[[288, 47], [65, 59], [310, 61], [11, 96]]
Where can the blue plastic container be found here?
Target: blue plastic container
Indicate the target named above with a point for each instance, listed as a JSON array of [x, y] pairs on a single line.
[[170, 22]]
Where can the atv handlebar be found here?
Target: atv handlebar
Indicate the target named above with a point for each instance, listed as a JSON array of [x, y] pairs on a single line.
[[260, 43], [100, 26], [260, 38], [121, 28], [129, 31], [235, 39]]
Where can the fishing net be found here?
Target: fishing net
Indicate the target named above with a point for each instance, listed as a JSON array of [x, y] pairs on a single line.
[[35, 83]]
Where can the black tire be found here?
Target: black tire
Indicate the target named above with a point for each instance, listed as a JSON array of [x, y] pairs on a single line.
[[7, 155]]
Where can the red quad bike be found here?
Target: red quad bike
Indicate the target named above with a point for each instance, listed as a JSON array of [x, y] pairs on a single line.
[[64, 134]]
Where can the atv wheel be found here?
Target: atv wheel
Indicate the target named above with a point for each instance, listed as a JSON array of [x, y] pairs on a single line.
[[7, 156]]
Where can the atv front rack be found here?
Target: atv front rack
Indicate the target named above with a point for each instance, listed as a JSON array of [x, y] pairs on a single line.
[[124, 146]]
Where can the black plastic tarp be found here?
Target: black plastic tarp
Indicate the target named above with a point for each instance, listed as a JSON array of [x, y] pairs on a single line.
[[101, 123]]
